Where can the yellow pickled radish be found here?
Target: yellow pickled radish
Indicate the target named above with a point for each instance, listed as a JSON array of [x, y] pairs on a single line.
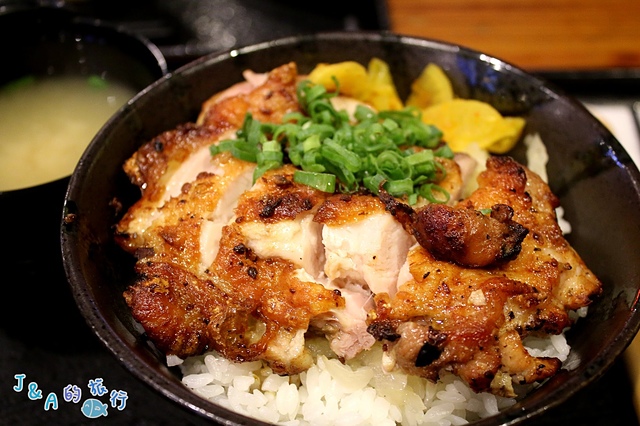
[[512, 130], [384, 95], [373, 85], [352, 77], [432, 87], [466, 121]]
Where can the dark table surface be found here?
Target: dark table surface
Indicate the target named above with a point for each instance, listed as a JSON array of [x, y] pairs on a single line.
[[43, 338]]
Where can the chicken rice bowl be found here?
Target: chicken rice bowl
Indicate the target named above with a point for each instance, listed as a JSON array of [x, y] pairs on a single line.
[[314, 250]]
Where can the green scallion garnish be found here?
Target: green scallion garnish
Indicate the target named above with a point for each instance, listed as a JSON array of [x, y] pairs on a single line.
[[394, 150], [322, 181]]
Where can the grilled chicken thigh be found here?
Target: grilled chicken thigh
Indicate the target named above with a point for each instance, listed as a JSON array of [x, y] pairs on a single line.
[[470, 318], [200, 284]]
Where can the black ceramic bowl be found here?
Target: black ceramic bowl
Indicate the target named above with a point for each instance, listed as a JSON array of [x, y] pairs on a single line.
[[595, 179], [41, 42]]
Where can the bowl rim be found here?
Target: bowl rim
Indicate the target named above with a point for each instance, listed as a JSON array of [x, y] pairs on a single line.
[[181, 395]]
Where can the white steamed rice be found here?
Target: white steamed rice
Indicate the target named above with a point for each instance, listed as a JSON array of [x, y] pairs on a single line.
[[331, 393], [358, 393]]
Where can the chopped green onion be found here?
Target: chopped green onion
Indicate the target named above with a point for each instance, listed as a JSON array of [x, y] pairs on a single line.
[[272, 146], [244, 151], [363, 113], [393, 165], [340, 156], [263, 167], [372, 183], [269, 156], [312, 142], [322, 181], [444, 151], [389, 124], [97, 82], [392, 149], [427, 192], [420, 157], [399, 187], [222, 146]]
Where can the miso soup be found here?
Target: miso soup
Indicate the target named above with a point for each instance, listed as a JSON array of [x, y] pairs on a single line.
[[46, 123]]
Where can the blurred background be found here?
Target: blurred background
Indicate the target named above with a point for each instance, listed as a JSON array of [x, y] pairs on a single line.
[[533, 34], [538, 35]]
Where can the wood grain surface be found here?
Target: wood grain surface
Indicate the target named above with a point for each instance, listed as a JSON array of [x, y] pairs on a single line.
[[533, 34]]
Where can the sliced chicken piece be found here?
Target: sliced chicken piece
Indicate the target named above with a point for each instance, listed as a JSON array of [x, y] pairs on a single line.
[[245, 307], [190, 298], [363, 243], [197, 162], [295, 240], [187, 226], [273, 292], [163, 165], [236, 179], [276, 218], [359, 262], [160, 168]]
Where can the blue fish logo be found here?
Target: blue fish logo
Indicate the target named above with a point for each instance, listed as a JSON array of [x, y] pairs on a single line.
[[92, 408]]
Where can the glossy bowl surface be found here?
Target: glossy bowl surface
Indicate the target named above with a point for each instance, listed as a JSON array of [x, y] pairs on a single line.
[[597, 182]]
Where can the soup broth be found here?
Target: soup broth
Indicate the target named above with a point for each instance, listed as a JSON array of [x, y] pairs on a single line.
[[46, 123]]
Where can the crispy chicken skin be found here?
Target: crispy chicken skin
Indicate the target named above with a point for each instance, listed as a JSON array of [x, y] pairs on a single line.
[[468, 237], [268, 102], [471, 320], [464, 236], [276, 218], [173, 230], [244, 307], [277, 197], [149, 166]]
